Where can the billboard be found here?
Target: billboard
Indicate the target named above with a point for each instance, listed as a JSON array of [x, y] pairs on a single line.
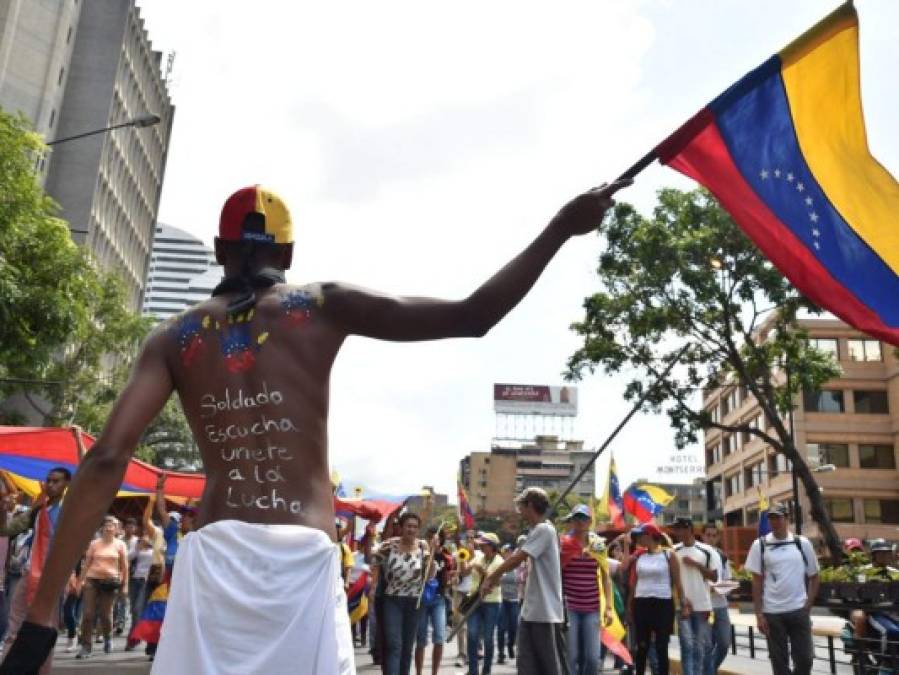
[[534, 399]]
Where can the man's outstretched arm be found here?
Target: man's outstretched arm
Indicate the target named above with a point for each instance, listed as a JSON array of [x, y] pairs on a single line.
[[363, 312], [100, 474]]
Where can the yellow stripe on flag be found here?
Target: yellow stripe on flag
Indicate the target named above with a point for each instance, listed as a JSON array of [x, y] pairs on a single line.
[[820, 72]]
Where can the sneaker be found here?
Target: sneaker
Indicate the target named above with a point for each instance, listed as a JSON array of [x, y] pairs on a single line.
[[84, 653], [70, 645], [511, 652], [98, 639], [107, 646], [501, 659]]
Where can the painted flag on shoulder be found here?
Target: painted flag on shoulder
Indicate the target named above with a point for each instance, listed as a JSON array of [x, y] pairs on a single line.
[[785, 151], [645, 502]]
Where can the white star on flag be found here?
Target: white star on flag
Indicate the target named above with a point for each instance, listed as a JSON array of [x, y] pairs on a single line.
[[800, 187], [816, 232], [813, 216], [763, 173], [808, 201], [789, 177], [777, 173], [817, 245]]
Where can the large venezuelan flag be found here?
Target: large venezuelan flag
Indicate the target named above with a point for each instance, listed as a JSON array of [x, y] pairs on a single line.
[[466, 516], [645, 502], [785, 152]]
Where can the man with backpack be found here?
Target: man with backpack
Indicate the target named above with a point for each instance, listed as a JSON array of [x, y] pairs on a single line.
[[699, 565], [784, 585]]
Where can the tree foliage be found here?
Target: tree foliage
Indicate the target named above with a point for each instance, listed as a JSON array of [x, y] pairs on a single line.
[[67, 336], [688, 275]]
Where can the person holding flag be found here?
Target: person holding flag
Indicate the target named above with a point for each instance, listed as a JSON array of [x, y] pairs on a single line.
[[588, 592]]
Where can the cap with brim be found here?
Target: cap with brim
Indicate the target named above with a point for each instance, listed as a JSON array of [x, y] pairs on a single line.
[[488, 538], [778, 509], [651, 529], [881, 545], [580, 511], [682, 522], [175, 515], [255, 214]]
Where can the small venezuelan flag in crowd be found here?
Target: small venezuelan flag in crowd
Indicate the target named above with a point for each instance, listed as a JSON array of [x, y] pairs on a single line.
[[645, 502]]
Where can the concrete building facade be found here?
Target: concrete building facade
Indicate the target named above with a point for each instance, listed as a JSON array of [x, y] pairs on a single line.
[[493, 479], [36, 44], [182, 273], [850, 427], [109, 185]]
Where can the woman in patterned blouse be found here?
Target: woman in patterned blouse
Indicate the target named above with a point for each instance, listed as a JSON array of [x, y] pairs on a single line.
[[401, 561]]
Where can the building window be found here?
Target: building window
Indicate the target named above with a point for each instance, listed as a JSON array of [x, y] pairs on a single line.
[[829, 453], [733, 485], [864, 350], [876, 457], [824, 401], [753, 475], [884, 511], [726, 446], [752, 516], [839, 510], [827, 345], [871, 402], [725, 406]]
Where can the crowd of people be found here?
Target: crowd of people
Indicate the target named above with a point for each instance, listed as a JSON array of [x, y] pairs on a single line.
[[125, 565], [542, 599]]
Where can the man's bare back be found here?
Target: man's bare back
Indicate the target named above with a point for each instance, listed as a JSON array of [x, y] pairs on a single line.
[[254, 388]]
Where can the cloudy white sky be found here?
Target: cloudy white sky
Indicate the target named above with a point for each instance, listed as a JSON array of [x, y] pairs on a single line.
[[420, 145]]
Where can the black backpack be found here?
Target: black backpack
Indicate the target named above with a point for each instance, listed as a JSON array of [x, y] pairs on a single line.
[[797, 541]]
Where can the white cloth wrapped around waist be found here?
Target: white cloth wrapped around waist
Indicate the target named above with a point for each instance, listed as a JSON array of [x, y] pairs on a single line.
[[252, 598]]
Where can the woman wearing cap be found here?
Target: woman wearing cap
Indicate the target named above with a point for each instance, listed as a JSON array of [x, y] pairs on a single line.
[[482, 622], [655, 578], [581, 592]]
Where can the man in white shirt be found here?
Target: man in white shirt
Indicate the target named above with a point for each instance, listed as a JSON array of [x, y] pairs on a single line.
[[699, 565], [781, 563], [721, 634]]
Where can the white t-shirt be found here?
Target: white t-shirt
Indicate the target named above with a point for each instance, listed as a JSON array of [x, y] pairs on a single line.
[[653, 575], [696, 588], [144, 560], [543, 587], [719, 600], [785, 572]]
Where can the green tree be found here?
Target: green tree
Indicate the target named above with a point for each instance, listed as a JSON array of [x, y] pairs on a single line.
[[688, 275], [67, 337]]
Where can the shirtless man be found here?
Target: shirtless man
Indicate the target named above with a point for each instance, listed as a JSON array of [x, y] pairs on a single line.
[[251, 367]]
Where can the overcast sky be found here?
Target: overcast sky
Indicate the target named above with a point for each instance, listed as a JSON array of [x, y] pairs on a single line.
[[420, 145]]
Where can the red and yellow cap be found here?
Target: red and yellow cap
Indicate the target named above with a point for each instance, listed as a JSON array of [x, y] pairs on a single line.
[[255, 214]]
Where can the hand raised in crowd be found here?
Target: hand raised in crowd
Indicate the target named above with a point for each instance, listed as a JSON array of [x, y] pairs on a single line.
[[160, 482]]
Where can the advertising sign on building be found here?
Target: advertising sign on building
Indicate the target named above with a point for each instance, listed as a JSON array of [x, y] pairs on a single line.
[[534, 399]]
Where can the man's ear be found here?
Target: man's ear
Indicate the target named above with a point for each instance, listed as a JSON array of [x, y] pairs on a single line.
[[287, 257], [219, 251]]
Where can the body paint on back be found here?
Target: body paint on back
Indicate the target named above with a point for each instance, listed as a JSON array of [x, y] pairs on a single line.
[[237, 339]]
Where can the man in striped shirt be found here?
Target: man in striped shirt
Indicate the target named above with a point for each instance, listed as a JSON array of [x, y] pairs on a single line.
[[581, 589]]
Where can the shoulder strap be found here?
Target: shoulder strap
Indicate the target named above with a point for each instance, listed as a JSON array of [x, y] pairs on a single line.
[[762, 555]]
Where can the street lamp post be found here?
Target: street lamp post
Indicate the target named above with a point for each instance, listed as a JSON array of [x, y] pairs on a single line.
[[147, 120]]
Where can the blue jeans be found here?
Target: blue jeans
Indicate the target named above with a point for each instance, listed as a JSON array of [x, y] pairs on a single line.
[[583, 642], [720, 640], [507, 627], [435, 614], [481, 626], [400, 626], [695, 635]]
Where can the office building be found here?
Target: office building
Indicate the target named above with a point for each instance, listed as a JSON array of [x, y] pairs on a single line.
[[182, 273], [848, 430], [493, 479]]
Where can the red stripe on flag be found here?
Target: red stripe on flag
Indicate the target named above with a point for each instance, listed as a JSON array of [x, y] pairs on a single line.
[[707, 160]]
